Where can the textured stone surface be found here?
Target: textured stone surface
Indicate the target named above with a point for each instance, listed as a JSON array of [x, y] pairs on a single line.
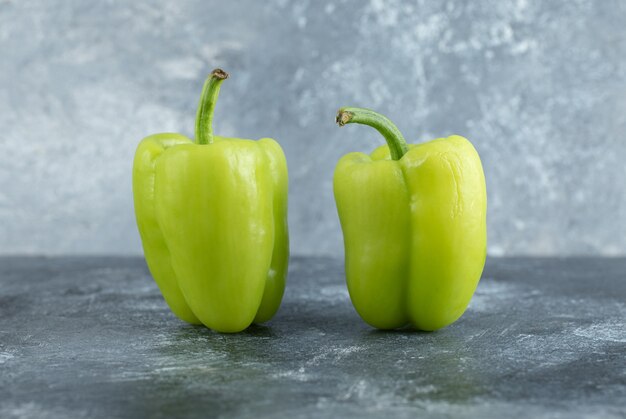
[[538, 86], [91, 337]]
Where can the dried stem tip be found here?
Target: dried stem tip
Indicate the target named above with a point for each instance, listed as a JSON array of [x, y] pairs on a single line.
[[219, 73], [343, 117]]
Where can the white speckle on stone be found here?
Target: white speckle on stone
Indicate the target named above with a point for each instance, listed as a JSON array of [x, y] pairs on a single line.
[[5, 356], [614, 331], [297, 375], [335, 354]]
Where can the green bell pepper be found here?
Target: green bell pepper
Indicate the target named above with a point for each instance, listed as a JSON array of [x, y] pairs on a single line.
[[414, 225], [212, 216]]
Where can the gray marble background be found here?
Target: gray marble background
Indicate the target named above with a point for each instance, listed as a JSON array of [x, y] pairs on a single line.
[[539, 87]]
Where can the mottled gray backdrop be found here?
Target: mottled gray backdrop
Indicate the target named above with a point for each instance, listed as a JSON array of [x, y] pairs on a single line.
[[539, 87]]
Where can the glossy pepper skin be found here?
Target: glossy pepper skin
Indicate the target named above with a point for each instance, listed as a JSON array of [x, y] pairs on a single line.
[[212, 216], [414, 225]]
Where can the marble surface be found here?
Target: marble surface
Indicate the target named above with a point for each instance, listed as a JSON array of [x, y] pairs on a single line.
[[91, 337], [539, 87]]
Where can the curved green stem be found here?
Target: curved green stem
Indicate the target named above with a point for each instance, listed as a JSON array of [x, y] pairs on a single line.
[[393, 136], [204, 116]]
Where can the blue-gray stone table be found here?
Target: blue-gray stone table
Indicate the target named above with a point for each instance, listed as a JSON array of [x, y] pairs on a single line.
[[92, 337]]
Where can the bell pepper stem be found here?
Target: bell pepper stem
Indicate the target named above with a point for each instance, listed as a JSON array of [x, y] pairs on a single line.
[[204, 116], [393, 136]]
